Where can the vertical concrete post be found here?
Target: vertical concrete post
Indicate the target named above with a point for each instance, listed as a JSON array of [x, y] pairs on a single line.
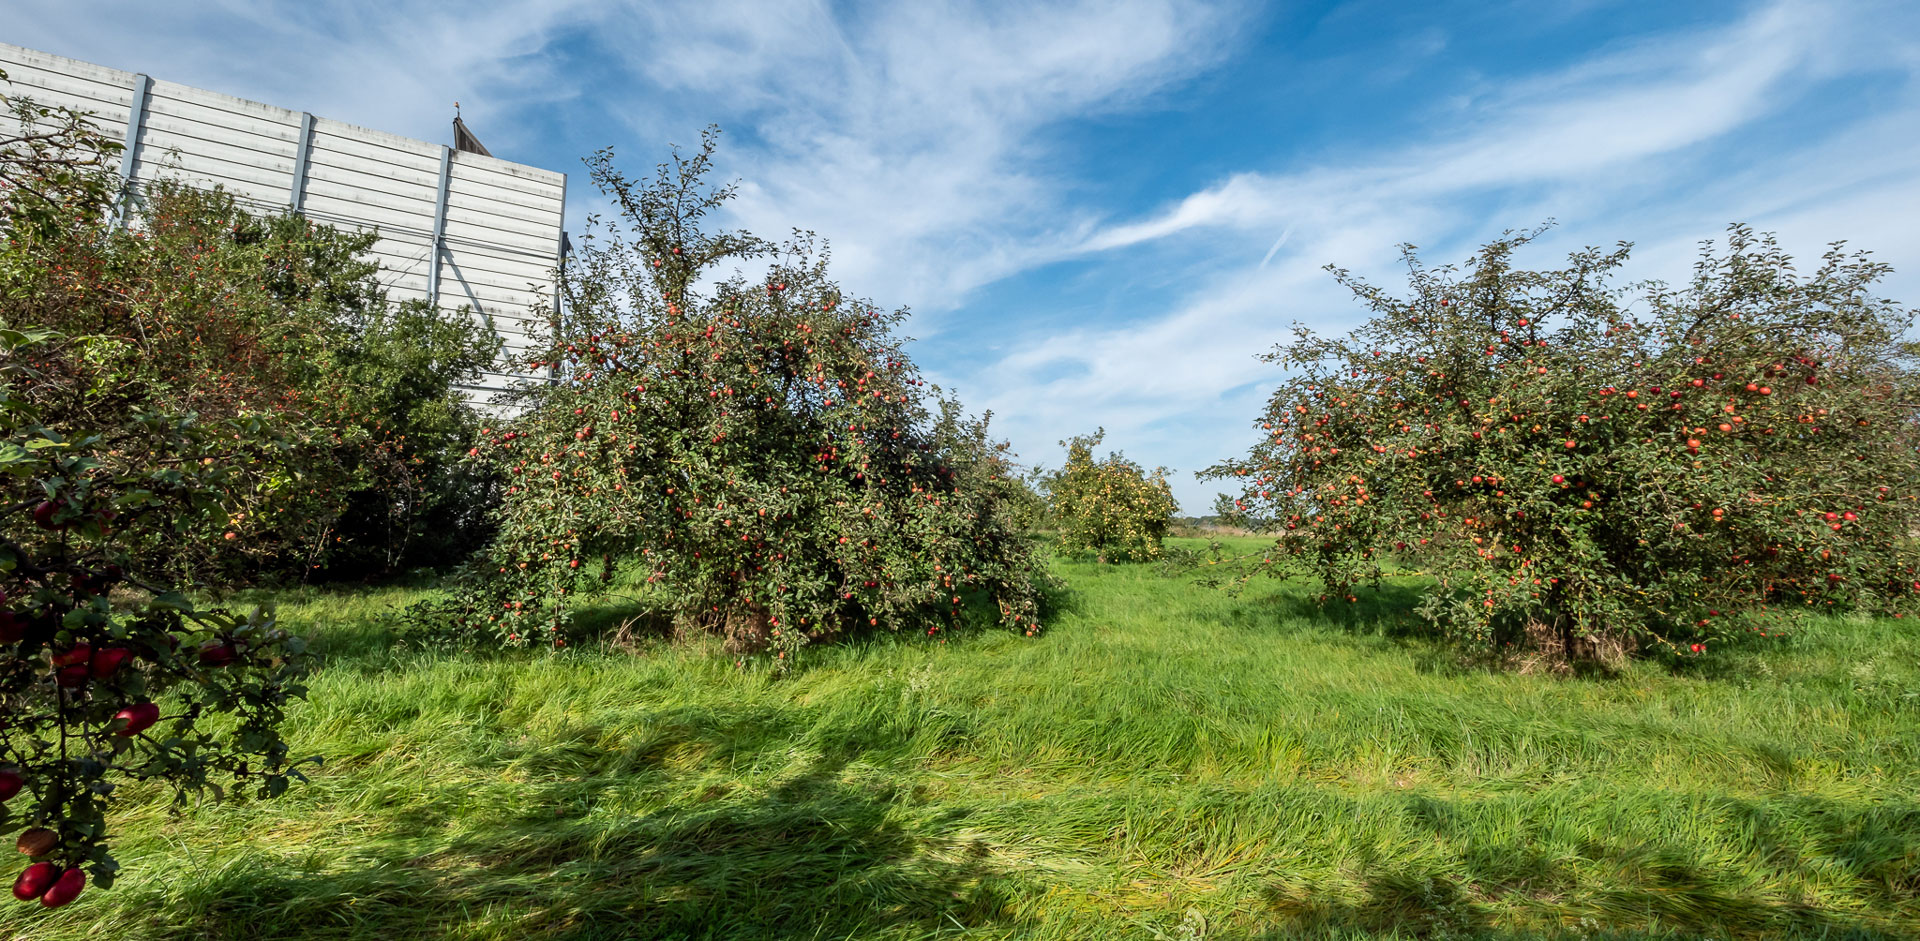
[[136, 121], [298, 195], [439, 226]]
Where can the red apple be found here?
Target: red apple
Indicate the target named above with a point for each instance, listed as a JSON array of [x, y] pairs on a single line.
[[66, 888], [139, 718], [78, 653], [43, 514], [216, 653], [107, 660], [35, 881], [10, 783]]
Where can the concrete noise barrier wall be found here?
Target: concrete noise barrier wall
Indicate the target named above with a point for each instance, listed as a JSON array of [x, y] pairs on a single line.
[[457, 229]]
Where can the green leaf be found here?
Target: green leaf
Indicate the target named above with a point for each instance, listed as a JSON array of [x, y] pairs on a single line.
[[172, 601]]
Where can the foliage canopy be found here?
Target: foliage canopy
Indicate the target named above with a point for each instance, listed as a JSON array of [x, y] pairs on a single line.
[[1110, 507], [763, 448], [1589, 470]]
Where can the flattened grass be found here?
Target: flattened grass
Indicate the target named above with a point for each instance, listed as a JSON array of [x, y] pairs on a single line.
[[1166, 762]]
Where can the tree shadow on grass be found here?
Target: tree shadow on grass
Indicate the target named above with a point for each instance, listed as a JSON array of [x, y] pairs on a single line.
[[626, 623], [617, 620], [1410, 904], [1672, 888], [1388, 612], [811, 857], [1381, 614], [1385, 611]]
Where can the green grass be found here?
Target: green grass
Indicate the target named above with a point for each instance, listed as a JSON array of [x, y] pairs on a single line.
[[1166, 762]]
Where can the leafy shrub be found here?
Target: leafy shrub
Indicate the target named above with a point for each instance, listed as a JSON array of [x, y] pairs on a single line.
[[1589, 470], [108, 679], [1110, 507], [765, 450], [199, 306], [387, 383]]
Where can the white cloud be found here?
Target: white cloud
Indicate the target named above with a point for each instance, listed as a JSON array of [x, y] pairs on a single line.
[[1607, 115], [397, 66], [910, 134], [920, 138], [1608, 144], [913, 138]]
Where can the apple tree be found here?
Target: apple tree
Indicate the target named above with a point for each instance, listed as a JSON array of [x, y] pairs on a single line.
[[762, 448], [1589, 470], [200, 304], [109, 678], [1110, 507]]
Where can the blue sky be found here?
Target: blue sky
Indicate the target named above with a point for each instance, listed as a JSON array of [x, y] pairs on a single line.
[[1101, 212]]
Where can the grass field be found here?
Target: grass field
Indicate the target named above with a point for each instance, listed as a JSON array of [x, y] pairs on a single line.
[[1166, 762]]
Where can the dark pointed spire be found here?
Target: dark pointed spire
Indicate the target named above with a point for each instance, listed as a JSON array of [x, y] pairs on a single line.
[[463, 139]]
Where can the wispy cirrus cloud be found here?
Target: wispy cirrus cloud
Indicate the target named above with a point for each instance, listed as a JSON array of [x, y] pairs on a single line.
[[1665, 140], [1027, 175], [396, 66], [914, 134], [1605, 116]]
